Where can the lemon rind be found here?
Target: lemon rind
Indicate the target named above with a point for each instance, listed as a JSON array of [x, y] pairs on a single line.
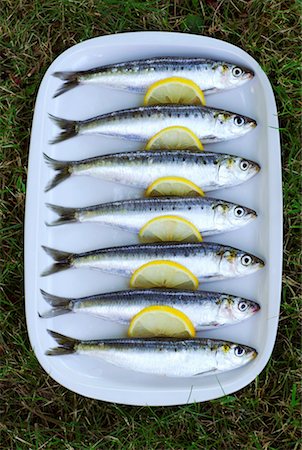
[[171, 264], [189, 327], [190, 225], [177, 80], [187, 130], [181, 180]]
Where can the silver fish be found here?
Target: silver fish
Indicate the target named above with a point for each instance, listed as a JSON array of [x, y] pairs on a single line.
[[141, 123], [167, 357], [209, 215], [205, 309], [209, 171], [137, 76], [207, 261]]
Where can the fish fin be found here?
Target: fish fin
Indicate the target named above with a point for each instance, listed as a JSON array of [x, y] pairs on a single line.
[[67, 344], [69, 129], [57, 255], [54, 268], [54, 312], [60, 305], [66, 215], [71, 81], [63, 261], [56, 351], [63, 167], [205, 373], [210, 138]]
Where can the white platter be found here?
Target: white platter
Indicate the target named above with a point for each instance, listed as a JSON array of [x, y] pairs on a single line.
[[93, 377]]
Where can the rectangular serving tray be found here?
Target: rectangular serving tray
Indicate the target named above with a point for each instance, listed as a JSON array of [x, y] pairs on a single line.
[[93, 377]]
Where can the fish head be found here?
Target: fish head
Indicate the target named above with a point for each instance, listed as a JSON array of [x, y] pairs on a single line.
[[230, 125], [230, 356], [237, 308], [234, 170], [228, 76], [236, 263], [233, 215]]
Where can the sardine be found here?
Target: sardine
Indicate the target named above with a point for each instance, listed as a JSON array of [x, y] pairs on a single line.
[[209, 171], [205, 309], [137, 76], [207, 261], [209, 215], [141, 123], [167, 357]]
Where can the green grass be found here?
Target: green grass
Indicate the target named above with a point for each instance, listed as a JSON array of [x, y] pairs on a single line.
[[37, 413]]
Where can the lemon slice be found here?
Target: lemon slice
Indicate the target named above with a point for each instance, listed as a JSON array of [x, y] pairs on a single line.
[[167, 274], [174, 138], [161, 321], [169, 228], [174, 90], [173, 186]]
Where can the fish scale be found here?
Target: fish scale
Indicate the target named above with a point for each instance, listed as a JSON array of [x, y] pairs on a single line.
[[204, 309], [209, 215], [137, 76], [168, 357], [142, 123], [207, 170], [207, 261]]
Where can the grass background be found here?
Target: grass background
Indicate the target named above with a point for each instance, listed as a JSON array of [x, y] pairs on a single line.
[[37, 413]]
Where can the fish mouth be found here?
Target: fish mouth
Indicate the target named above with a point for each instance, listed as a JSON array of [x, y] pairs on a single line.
[[253, 168], [251, 213], [256, 307], [254, 354], [254, 215], [250, 352], [260, 263], [251, 122], [248, 74]]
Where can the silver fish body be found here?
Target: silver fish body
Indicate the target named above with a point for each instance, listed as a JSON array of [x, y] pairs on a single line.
[[207, 261], [210, 216], [209, 171], [137, 76], [141, 123], [166, 357], [204, 309]]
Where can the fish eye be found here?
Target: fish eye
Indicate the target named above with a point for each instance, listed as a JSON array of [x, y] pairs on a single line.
[[242, 306], [246, 260], [239, 351], [237, 71], [244, 165], [239, 212], [239, 121]]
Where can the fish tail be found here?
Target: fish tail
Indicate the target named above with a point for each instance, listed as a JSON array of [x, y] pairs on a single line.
[[60, 305], [70, 128], [66, 344], [66, 215], [70, 79], [63, 168], [63, 261]]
